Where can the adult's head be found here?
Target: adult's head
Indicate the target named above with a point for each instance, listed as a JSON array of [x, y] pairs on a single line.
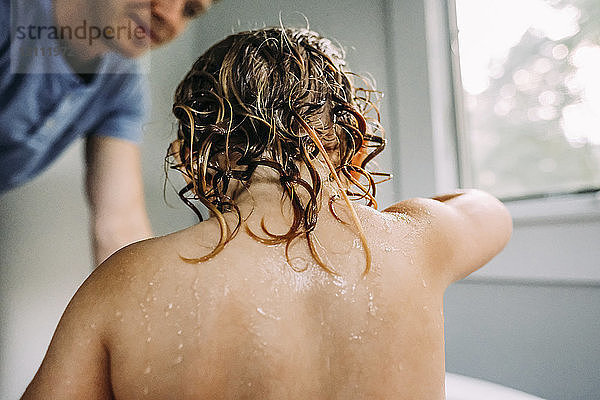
[[129, 27], [281, 99]]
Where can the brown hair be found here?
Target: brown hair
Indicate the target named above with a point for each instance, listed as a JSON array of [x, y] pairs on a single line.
[[277, 98]]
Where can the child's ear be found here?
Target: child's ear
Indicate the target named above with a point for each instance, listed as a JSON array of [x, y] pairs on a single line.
[[357, 160], [175, 152]]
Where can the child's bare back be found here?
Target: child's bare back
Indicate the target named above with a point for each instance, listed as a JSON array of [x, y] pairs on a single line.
[[312, 298], [245, 325]]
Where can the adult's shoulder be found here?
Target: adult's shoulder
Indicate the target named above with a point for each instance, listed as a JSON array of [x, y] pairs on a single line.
[[123, 96]]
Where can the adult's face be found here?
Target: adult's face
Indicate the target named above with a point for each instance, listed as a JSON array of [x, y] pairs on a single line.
[[139, 25]]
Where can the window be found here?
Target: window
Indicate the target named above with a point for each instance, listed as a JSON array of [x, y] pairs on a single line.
[[554, 238], [530, 98]]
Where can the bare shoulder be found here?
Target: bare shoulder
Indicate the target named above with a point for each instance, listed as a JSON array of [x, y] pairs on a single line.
[[459, 232], [144, 256], [76, 365]]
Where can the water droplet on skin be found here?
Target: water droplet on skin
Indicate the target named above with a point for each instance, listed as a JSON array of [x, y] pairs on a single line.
[[266, 314], [147, 370], [424, 282], [338, 281], [354, 336], [179, 359], [170, 306], [372, 307], [387, 225], [93, 325], [180, 346], [150, 283], [179, 332], [148, 339], [119, 315], [249, 384], [196, 288]]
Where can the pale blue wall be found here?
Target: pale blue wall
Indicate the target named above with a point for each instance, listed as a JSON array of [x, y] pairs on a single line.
[[540, 339]]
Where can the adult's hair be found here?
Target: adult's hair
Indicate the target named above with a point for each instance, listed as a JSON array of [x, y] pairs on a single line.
[[278, 98]]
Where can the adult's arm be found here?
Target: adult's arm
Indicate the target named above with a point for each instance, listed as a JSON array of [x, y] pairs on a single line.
[[115, 194]]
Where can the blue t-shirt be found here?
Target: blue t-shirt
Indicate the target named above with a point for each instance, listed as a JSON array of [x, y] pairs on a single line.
[[42, 113]]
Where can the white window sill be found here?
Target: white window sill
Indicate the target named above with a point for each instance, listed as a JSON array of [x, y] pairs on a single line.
[[554, 242], [555, 209]]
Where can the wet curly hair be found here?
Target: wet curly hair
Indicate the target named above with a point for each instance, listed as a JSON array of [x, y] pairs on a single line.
[[278, 98]]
